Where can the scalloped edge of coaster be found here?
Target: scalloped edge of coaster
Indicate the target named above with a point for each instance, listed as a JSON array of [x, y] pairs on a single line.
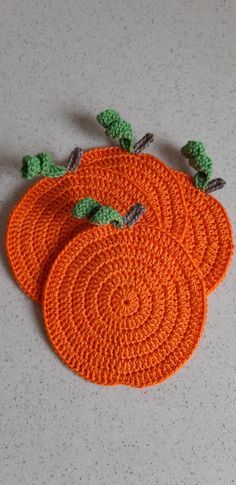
[[209, 201], [44, 182]]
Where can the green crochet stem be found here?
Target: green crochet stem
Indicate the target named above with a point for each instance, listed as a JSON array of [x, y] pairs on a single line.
[[96, 213], [195, 152], [116, 127], [86, 208], [102, 214], [41, 164], [107, 215]]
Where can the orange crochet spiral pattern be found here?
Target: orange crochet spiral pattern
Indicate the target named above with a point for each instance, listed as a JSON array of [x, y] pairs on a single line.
[[41, 224], [122, 252], [141, 169], [208, 237], [124, 306]]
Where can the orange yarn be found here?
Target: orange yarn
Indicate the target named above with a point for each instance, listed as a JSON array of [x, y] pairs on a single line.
[[208, 237], [124, 306], [121, 306], [41, 224], [140, 169], [208, 234]]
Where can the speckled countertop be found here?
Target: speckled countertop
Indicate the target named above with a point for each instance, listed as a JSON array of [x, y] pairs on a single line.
[[169, 67]]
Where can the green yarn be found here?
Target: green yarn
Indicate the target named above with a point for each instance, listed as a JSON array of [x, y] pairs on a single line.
[[107, 117], [41, 164], [195, 152], [107, 215], [123, 131], [96, 213], [85, 207], [31, 167], [117, 128], [201, 180]]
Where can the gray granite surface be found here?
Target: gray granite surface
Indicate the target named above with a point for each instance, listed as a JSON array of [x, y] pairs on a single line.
[[169, 66]]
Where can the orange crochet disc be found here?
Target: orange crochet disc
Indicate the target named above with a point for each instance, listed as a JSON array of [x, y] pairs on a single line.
[[41, 224], [208, 237], [124, 306], [208, 234], [140, 169]]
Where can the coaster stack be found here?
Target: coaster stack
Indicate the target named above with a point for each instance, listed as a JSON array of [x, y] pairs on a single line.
[[124, 294]]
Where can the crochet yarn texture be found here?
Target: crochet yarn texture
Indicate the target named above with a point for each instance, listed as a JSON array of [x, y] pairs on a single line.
[[208, 236], [42, 223], [116, 127], [103, 215], [124, 306], [141, 169], [42, 164], [196, 153], [97, 214]]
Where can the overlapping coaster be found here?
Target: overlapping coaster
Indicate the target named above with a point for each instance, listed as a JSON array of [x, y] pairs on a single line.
[[42, 223], [140, 168], [122, 252], [124, 306], [208, 237]]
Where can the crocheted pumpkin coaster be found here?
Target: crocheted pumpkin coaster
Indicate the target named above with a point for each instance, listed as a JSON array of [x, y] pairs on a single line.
[[124, 306], [140, 168], [41, 224], [208, 237]]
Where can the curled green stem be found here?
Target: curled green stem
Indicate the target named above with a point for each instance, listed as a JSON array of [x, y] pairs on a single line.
[[195, 152], [116, 127], [102, 214], [41, 164], [85, 208], [107, 215]]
